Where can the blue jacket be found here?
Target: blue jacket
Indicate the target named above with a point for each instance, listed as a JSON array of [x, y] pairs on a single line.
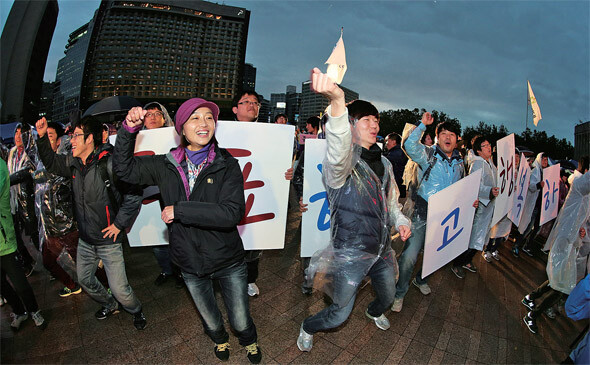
[[445, 171]]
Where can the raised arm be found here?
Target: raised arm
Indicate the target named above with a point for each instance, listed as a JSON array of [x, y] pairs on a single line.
[[54, 163], [412, 145]]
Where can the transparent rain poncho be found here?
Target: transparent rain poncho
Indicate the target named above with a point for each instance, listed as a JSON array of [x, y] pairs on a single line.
[[564, 239], [533, 193], [22, 168], [410, 175], [480, 232], [363, 210]]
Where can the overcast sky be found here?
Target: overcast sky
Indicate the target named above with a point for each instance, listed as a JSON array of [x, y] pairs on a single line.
[[469, 59]]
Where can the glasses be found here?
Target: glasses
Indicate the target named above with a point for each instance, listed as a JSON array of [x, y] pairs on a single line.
[[248, 102], [79, 134], [486, 145], [155, 114]]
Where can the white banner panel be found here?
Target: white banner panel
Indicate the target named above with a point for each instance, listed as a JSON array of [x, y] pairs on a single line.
[[505, 178], [550, 198], [315, 223], [522, 188], [264, 152], [450, 218]]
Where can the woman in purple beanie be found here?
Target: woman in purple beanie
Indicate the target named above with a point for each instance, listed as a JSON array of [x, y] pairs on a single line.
[[202, 189]]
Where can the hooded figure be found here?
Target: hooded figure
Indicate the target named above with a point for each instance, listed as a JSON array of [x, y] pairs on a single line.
[[480, 233], [564, 240], [168, 122], [533, 193], [21, 167]]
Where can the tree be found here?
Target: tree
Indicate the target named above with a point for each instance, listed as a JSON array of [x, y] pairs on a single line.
[[395, 120]]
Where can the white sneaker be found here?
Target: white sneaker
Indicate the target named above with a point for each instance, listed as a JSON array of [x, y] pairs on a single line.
[[305, 340], [397, 305], [424, 288], [496, 255], [17, 319], [253, 289], [487, 256], [381, 322], [39, 320]]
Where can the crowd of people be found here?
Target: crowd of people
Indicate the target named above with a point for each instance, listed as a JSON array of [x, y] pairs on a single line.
[[74, 194]]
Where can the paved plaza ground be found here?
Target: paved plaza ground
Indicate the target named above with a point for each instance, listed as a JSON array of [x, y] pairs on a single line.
[[474, 320]]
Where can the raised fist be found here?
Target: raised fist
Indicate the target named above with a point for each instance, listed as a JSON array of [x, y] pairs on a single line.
[[427, 118], [135, 116], [41, 126]]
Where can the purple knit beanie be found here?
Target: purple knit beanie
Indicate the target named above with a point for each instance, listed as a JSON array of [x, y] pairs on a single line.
[[188, 107]]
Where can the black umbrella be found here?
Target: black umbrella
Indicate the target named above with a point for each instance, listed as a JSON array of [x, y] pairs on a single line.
[[112, 104]]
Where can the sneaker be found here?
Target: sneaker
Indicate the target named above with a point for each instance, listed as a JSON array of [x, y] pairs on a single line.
[[161, 279], [550, 312], [254, 354], [486, 256], [515, 251], [306, 290], [253, 289], [17, 319], [106, 312], [424, 288], [222, 351], [458, 271], [527, 250], [381, 322], [528, 302], [305, 340], [397, 305], [66, 292], [496, 255], [39, 320], [139, 320], [470, 267], [530, 323], [2, 301]]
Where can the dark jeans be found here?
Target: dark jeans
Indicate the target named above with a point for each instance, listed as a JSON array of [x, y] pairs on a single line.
[[162, 254], [252, 260], [21, 248], [547, 302], [494, 244], [383, 281], [114, 265], [234, 289], [465, 257], [19, 295]]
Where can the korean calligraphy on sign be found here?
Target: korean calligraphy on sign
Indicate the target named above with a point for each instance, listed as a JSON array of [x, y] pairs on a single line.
[[550, 197], [522, 185], [505, 178], [450, 219], [315, 223]]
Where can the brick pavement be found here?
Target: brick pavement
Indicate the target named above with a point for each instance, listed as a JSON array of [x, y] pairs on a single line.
[[474, 320]]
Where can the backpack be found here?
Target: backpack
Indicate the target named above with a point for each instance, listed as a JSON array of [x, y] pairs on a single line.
[[105, 167]]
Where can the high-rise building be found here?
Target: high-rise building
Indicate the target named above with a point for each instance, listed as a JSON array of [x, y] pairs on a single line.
[[46, 101], [68, 78], [249, 82], [166, 50], [24, 46], [264, 115], [313, 104], [293, 99], [278, 105], [582, 140]]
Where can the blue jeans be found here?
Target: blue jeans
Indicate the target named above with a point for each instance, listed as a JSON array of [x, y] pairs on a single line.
[[114, 265], [383, 281], [162, 254], [408, 259], [234, 289]]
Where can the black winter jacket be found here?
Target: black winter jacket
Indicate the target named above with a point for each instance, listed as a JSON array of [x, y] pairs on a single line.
[[92, 207], [203, 236]]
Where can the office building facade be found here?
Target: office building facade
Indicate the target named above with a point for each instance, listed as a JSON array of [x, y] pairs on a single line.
[[313, 104], [582, 140]]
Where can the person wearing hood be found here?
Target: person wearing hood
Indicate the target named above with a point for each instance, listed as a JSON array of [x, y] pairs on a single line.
[[202, 189], [529, 224], [363, 199], [104, 208], [480, 232], [22, 193], [157, 116], [564, 243]]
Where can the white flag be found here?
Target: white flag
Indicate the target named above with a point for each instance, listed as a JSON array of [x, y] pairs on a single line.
[[533, 101], [337, 62]]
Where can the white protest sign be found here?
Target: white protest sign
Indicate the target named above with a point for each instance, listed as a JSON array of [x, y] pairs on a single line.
[[505, 178], [449, 223], [264, 152], [522, 188], [315, 223], [265, 188], [550, 197]]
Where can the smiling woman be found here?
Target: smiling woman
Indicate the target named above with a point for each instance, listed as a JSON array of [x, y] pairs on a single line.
[[202, 189]]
